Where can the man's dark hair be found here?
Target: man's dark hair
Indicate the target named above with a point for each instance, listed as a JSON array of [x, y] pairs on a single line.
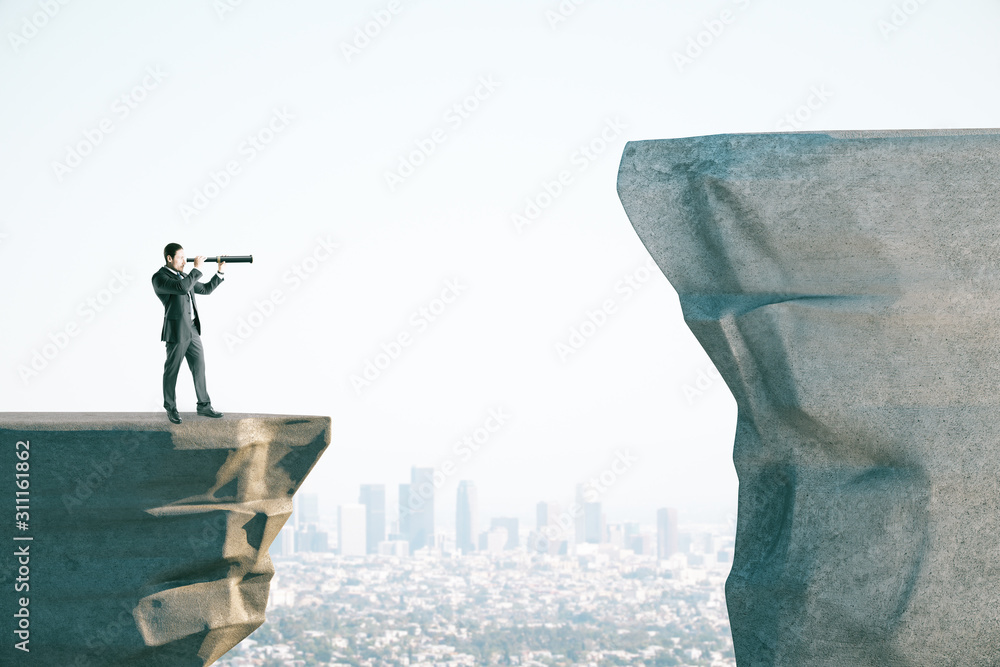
[[171, 250]]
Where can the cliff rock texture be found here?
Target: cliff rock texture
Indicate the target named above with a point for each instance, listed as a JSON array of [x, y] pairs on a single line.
[[847, 287], [143, 542]]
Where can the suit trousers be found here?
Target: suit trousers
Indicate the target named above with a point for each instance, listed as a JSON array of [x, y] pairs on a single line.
[[188, 346]]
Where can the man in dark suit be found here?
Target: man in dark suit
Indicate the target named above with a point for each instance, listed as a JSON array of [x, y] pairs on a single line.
[[181, 326]]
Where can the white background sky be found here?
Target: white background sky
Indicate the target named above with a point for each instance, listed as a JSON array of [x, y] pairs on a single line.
[[558, 84]]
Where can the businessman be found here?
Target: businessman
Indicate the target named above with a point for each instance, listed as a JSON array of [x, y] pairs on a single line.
[[182, 327]]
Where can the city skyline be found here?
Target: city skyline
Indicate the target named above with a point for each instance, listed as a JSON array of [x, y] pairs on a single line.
[[434, 500], [526, 512], [365, 528]]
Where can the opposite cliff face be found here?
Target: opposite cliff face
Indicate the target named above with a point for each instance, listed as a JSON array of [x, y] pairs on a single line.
[[847, 287], [138, 542]]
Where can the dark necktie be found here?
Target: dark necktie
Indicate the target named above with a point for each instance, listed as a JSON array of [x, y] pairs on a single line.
[[181, 274]]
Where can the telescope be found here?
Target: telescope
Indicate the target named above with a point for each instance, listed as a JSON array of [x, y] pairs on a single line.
[[228, 259]]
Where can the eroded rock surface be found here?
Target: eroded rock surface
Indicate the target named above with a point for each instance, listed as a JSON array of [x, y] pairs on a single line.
[[847, 287], [149, 540]]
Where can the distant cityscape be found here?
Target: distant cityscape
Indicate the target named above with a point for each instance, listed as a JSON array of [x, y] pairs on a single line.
[[363, 528], [571, 589]]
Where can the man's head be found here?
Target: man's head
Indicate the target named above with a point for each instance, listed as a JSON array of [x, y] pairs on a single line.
[[173, 255]]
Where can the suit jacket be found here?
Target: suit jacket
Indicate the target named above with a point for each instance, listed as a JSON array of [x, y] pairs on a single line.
[[173, 292]]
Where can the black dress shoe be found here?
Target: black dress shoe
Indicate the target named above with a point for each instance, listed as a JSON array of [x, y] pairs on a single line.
[[208, 412], [173, 416]]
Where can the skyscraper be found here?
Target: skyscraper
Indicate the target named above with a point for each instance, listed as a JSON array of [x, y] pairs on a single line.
[[351, 530], [284, 545], [306, 509], [420, 508], [373, 498], [580, 518], [510, 525], [615, 534], [311, 539], [404, 511], [593, 523], [546, 514], [466, 517], [494, 540], [551, 529], [666, 532]]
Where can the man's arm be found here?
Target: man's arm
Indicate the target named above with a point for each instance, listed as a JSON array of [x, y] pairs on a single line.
[[209, 287], [169, 285]]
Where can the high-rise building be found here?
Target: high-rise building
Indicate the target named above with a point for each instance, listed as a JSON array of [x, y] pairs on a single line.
[[615, 535], [593, 521], [494, 540], [404, 511], [643, 544], [306, 509], [510, 525], [444, 543], [311, 539], [546, 514], [666, 532], [541, 516], [373, 498], [305, 512], [466, 517], [351, 538], [398, 548], [284, 545], [550, 535], [706, 543], [580, 518], [420, 507]]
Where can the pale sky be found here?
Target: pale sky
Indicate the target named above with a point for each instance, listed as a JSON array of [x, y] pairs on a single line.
[[270, 128]]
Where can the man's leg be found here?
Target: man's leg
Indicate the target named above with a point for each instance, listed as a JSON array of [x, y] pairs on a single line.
[[175, 354], [196, 362]]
